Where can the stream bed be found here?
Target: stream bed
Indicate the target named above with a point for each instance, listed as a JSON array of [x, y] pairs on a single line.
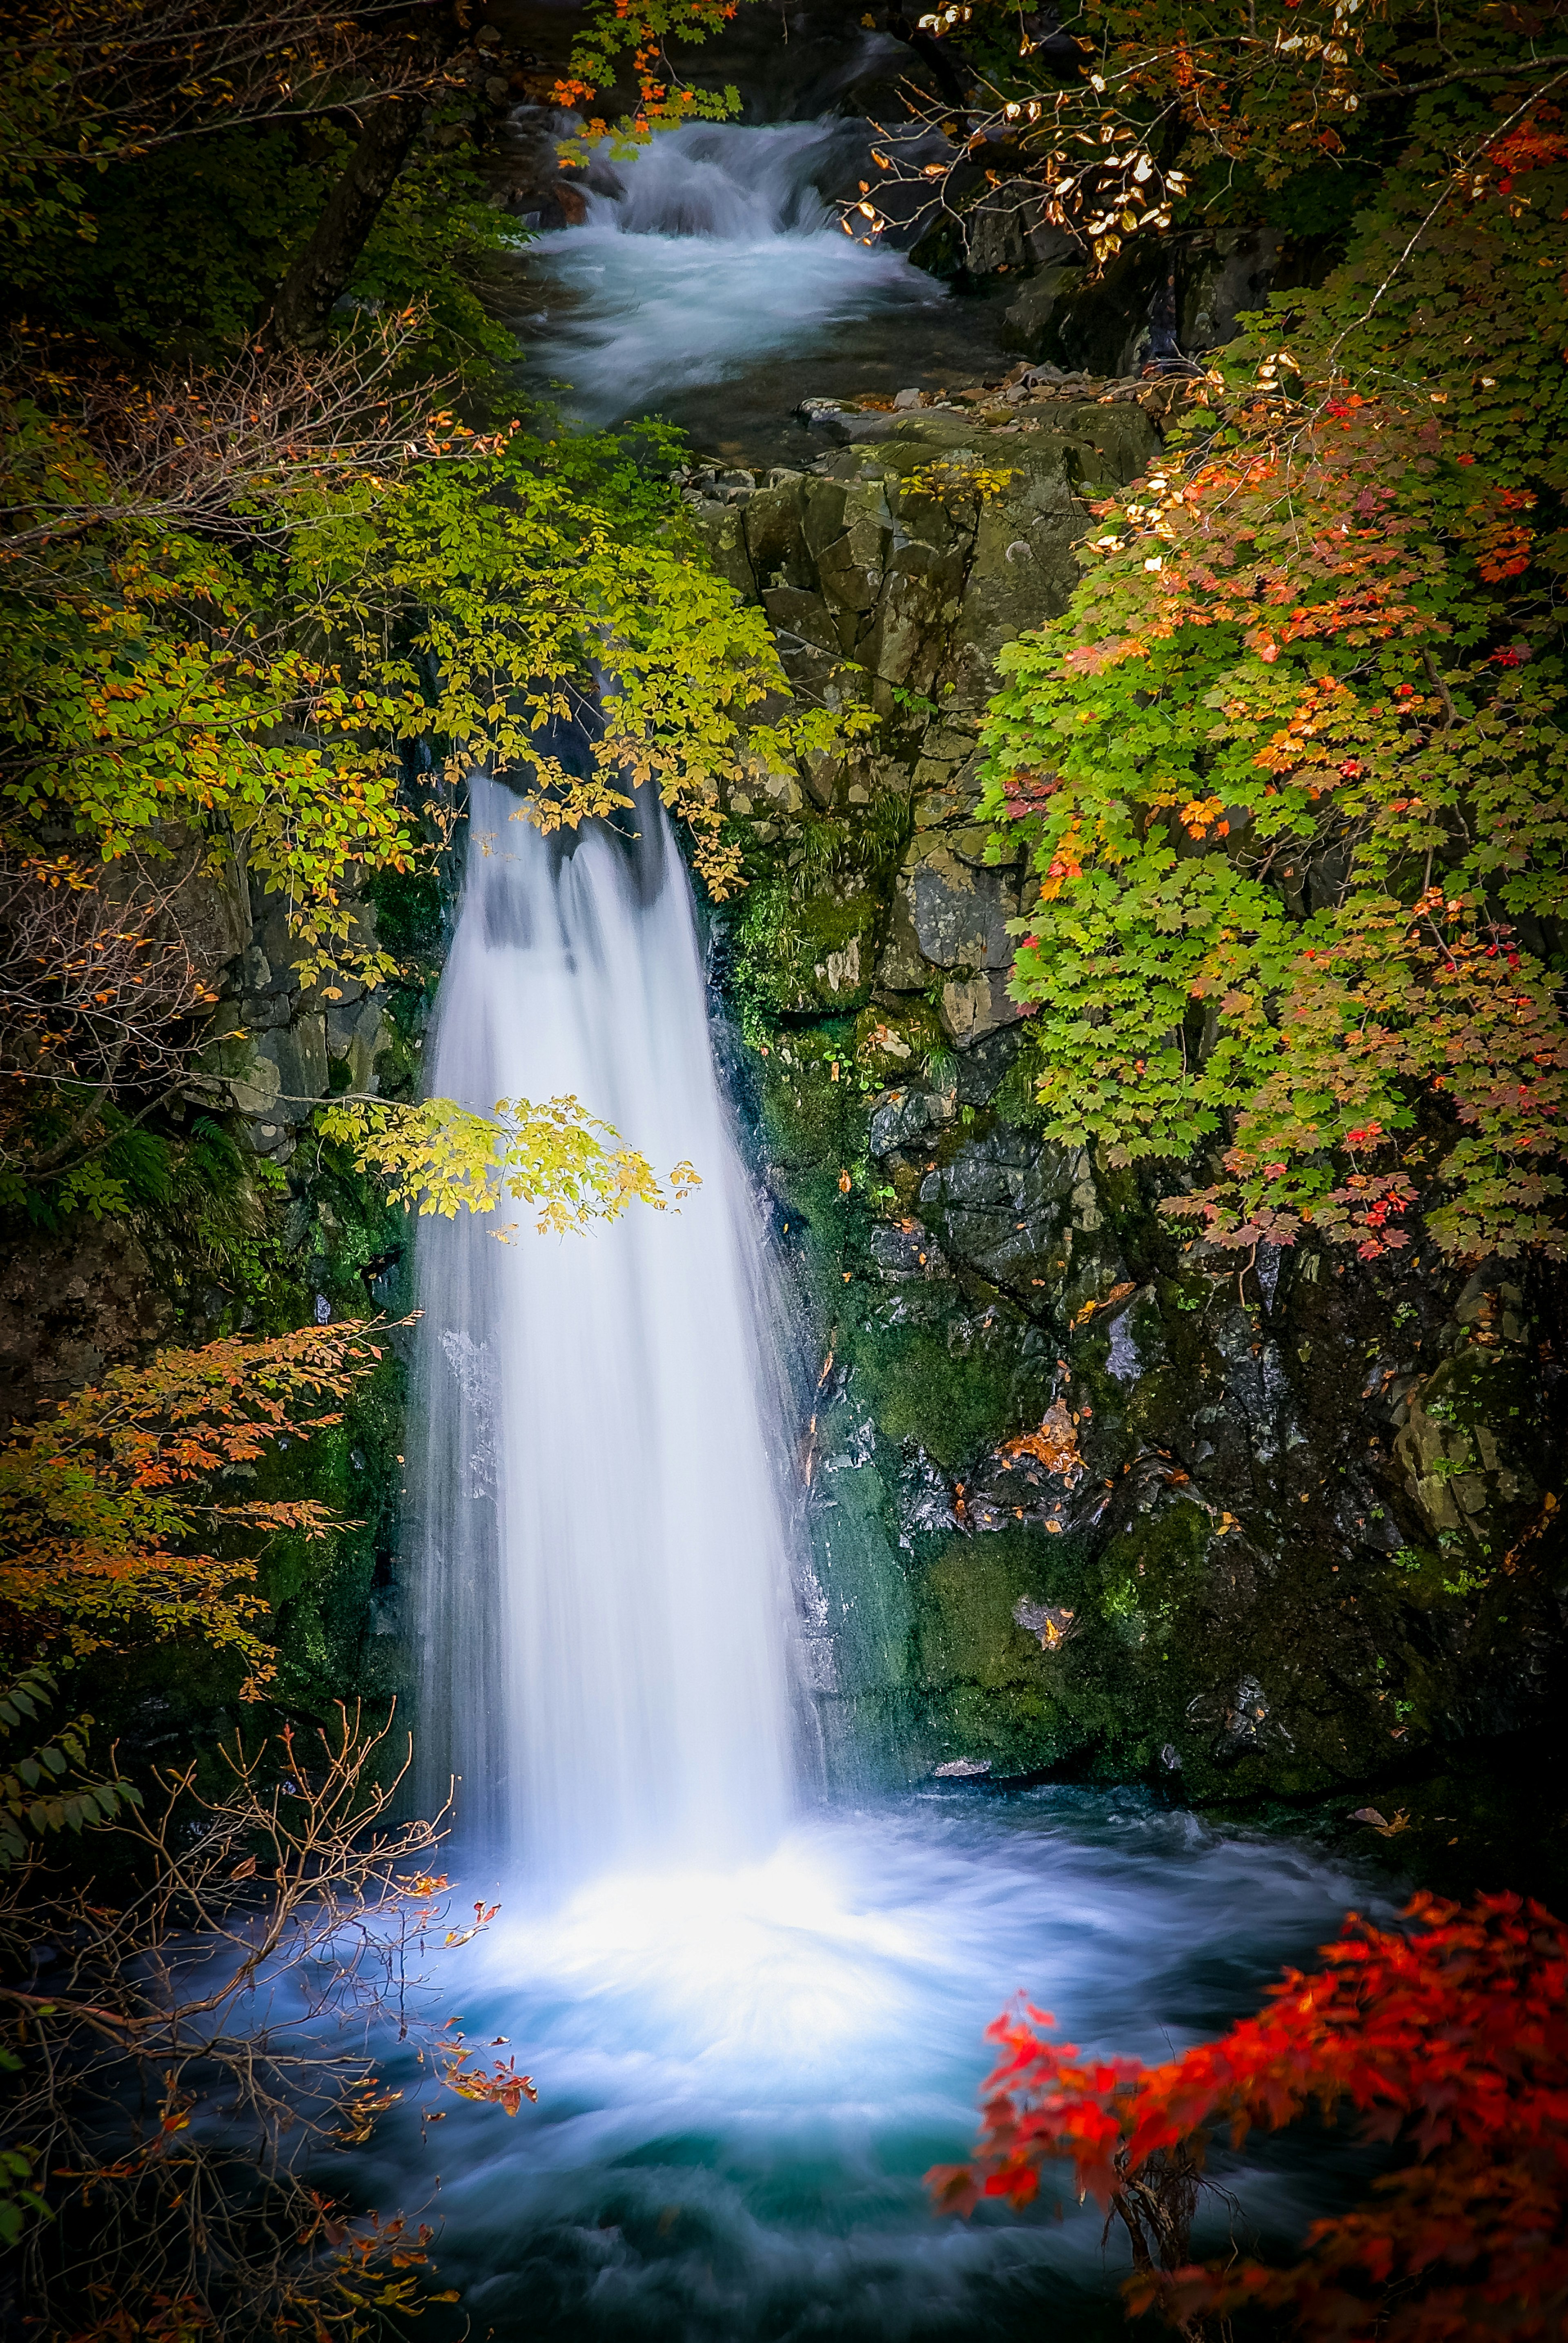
[[712, 283]]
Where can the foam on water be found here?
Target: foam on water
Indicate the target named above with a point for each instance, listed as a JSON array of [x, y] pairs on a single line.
[[744, 2072]]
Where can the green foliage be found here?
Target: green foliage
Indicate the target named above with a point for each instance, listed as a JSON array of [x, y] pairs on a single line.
[[45, 1788], [613, 28], [433, 235], [188, 247], [474, 596], [131, 280], [127, 1168], [1292, 767], [868, 841], [220, 1226], [18, 2197]]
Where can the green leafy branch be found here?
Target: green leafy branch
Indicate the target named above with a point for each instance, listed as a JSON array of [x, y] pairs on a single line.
[[439, 1158], [45, 1789]]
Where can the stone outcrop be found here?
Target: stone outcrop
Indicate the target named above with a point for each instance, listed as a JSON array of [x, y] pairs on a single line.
[[893, 572], [279, 1045]]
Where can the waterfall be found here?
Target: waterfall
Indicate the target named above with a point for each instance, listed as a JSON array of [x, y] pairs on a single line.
[[603, 1574]]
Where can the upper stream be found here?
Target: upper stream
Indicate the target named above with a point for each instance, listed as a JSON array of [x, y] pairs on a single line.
[[755, 2016], [712, 283]]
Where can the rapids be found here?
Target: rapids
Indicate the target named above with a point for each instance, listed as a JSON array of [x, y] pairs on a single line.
[[711, 281]]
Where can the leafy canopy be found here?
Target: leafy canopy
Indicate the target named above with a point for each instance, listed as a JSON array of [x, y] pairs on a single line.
[[45, 1785]]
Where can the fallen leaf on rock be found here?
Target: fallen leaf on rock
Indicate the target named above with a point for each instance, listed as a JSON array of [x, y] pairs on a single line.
[[1117, 1293], [1055, 1443], [1051, 1621]]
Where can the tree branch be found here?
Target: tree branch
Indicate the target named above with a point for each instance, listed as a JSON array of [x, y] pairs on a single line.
[[321, 272]]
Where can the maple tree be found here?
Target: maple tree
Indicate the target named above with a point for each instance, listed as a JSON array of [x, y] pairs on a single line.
[[114, 1521], [1448, 2039], [1289, 770], [618, 32]]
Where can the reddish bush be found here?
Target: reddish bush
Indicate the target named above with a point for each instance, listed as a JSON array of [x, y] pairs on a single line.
[[1449, 2042]]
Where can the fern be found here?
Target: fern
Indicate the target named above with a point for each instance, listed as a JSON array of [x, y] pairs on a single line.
[[46, 1788]]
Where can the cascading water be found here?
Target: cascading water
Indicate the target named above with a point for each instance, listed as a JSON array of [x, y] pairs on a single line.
[[713, 253], [715, 250], [602, 1589], [752, 2032]]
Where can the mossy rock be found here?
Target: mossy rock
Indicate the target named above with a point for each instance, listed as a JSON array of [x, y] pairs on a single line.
[[992, 1692], [891, 1043], [954, 1406], [807, 958]]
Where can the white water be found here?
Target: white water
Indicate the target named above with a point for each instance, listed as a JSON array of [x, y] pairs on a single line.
[[744, 2074], [718, 253], [602, 1581]]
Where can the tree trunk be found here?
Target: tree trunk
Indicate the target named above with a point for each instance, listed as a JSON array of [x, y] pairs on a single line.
[[322, 270]]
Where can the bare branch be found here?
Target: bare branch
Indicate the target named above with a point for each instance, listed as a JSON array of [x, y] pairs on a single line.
[[197, 2051]]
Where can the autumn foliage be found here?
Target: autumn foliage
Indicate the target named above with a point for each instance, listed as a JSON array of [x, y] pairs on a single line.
[[1447, 2040], [1289, 771], [616, 36], [120, 1516]]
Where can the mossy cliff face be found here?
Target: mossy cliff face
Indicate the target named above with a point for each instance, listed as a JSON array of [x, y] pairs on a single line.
[[1082, 1497]]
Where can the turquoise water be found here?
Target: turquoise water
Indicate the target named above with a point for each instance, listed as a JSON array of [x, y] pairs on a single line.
[[743, 2075]]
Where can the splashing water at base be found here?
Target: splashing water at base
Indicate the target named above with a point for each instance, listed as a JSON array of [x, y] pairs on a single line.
[[602, 1573], [743, 2074]]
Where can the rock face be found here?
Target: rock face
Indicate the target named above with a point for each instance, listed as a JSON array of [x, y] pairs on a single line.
[[893, 572], [1080, 1497], [279, 1045], [71, 1306]]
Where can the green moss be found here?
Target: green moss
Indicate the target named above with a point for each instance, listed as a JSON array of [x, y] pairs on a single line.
[[918, 1390], [990, 1690], [1152, 1571], [410, 913], [893, 1043], [966, 1630], [783, 946], [868, 1608]]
